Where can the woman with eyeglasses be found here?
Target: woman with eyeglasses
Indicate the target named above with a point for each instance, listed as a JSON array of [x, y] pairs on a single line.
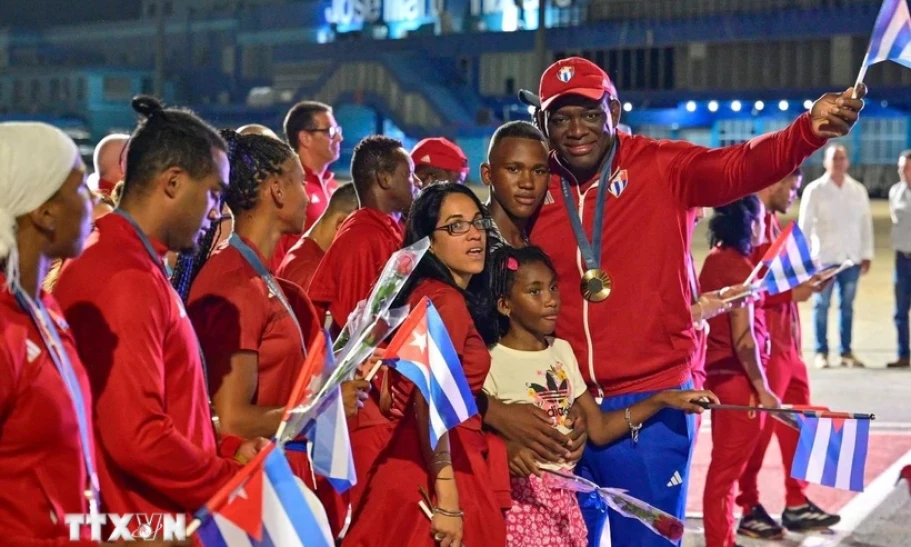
[[468, 493]]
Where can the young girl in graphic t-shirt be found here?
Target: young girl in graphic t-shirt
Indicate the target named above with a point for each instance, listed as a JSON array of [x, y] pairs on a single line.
[[530, 366]]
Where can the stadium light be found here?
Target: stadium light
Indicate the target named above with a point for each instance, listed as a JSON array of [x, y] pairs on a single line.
[[690, 106], [807, 104], [627, 107], [713, 106], [736, 106], [759, 105], [783, 105]]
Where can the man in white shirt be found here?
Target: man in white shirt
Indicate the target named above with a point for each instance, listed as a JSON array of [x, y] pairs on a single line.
[[900, 209], [836, 219]]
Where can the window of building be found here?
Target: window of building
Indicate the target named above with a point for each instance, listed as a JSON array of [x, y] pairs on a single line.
[[117, 88], [883, 139]]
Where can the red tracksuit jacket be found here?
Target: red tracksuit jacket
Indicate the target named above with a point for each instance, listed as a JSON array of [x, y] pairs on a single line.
[[42, 475], [642, 338], [156, 444]]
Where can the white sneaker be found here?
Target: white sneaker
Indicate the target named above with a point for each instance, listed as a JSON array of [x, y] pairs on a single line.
[[821, 361]]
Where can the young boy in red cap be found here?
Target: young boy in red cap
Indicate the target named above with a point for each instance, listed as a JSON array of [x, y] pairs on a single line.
[[439, 160], [627, 204]]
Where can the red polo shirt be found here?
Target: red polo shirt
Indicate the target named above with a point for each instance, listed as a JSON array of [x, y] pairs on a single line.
[[319, 191], [42, 473], [642, 338], [353, 262], [154, 429], [782, 316], [301, 262], [233, 310], [725, 267]]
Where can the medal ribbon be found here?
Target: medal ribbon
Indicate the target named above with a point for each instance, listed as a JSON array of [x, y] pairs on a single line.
[[59, 356], [253, 259], [164, 270], [589, 256]]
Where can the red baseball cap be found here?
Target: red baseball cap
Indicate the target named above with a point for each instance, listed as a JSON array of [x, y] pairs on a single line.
[[574, 76], [440, 153]]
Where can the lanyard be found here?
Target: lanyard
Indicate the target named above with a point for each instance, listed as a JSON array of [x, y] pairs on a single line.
[[59, 356], [592, 260], [251, 257], [161, 266]]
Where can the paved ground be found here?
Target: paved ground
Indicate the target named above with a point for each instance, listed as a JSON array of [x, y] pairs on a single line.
[[887, 393]]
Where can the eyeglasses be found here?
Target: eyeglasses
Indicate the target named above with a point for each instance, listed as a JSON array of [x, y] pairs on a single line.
[[334, 131], [462, 226]]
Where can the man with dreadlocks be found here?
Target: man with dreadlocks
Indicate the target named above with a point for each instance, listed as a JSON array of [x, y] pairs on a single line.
[[155, 433]]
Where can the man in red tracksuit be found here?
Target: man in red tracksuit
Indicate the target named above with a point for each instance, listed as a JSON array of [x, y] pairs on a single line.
[[630, 322], [157, 446], [787, 377]]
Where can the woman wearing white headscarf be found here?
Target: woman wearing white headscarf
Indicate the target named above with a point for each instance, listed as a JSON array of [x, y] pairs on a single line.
[[47, 462]]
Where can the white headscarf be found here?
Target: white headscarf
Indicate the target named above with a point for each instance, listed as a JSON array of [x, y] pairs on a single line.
[[35, 161]]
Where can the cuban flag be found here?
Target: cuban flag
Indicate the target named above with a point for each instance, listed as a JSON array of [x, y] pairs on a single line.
[[788, 261], [891, 39], [264, 505], [832, 452], [330, 446], [618, 185], [326, 439], [423, 352]]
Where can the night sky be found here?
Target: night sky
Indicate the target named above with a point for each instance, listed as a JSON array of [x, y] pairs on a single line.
[[43, 13]]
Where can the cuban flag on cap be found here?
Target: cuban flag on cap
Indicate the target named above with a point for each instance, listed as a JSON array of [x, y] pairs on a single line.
[[832, 452], [618, 185], [788, 261], [423, 352]]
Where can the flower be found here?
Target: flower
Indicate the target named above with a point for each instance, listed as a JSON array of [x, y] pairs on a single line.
[[405, 265], [668, 527]]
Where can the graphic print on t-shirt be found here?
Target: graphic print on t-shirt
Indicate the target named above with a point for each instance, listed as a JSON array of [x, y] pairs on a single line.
[[554, 395]]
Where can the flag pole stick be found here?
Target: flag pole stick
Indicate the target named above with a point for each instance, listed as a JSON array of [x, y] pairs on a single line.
[[803, 412], [753, 274]]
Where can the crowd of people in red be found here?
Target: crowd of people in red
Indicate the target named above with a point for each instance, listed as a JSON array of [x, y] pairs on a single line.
[[147, 352]]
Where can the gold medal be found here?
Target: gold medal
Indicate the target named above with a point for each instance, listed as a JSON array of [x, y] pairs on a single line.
[[596, 285]]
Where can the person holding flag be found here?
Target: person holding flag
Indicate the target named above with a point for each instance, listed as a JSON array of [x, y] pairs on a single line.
[[465, 472], [155, 430], [788, 379], [738, 350], [628, 202]]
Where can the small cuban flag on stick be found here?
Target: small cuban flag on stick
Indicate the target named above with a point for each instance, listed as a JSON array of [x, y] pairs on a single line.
[[422, 351], [263, 504], [891, 38], [832, 452], [788, 262]]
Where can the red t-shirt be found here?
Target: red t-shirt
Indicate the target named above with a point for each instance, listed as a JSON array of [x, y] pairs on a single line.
[[233, 310], [319, 191], [724, 267], [301, 262], [42, 473], [353, 262], [781, 313], [154, 428], [642, 338]]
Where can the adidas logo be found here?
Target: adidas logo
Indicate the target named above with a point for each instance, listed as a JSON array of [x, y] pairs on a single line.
[[676, 480]]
